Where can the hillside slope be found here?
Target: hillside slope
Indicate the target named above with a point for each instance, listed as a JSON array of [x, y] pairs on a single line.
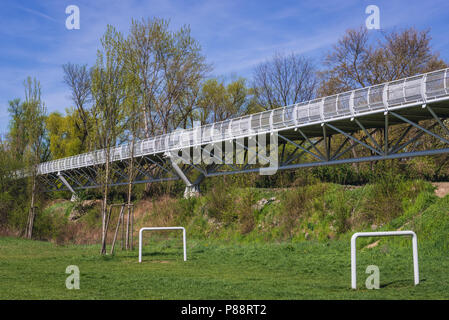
[[320, 211]]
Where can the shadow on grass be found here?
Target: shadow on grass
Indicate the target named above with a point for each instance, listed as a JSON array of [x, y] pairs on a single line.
[[161, 253], [399, 283], [162, 257]]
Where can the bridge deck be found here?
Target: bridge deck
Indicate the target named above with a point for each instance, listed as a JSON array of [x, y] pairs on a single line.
[[367, 105]]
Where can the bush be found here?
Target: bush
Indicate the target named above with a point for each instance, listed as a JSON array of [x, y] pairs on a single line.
[[341, 174], [300, 204], [384, 202], [341, 207], [220, 205], [245, 211]]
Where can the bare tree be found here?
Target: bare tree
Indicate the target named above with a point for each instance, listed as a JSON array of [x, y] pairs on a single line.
[[348, 63], [186, 107], [403, 54], [354, 62], [284, 80], [78, 78], [168, 64]]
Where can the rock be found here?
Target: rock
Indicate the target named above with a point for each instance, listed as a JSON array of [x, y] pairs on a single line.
[[372, 245], [263, 202], [260, 204], [441, 188]]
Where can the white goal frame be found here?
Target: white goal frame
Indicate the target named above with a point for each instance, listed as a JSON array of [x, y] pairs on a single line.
[[383, 234], [162, 228]]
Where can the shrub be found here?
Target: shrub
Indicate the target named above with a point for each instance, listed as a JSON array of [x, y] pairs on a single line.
[[341, 206], [299, 204], [245, 211], [220, 204]]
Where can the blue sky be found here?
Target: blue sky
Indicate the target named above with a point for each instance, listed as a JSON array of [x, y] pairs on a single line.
[[235, 35]]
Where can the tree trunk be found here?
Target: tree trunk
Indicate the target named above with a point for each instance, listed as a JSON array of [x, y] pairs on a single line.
[[32, 212], [117, 228], [105, 206], [132, 227], [130, 180]]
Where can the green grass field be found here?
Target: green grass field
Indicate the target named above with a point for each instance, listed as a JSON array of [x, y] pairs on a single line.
[[219, 270]]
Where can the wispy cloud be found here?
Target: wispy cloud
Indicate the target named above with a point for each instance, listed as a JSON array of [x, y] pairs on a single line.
[[37, 13]]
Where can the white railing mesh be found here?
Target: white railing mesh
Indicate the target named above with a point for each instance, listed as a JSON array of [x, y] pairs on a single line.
[[405, 92]]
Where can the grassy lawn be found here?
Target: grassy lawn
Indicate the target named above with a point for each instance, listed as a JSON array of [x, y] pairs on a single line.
[[219, 270]]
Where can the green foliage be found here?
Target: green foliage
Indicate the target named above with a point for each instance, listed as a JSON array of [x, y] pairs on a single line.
[[342, 205], [25, 147], [17, 132], [431, 222], [64, 134], [153, 82], [220, 205], [34, 124], [341, 174], [49, 225], [299, 205], [388, 196], [13, 193], [317, 215], [108, 91], [218, 102], [246, 212]]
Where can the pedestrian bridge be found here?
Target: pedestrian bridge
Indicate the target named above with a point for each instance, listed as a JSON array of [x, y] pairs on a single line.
[[318, 132]]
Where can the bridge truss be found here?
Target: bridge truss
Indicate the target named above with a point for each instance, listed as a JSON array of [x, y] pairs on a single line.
[[399, 119]]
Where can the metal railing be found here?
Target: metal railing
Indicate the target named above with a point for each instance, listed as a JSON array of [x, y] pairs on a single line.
[[416, 90]]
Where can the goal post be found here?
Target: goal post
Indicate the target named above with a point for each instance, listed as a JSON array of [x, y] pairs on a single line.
[[162, 228], [383, 234]]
